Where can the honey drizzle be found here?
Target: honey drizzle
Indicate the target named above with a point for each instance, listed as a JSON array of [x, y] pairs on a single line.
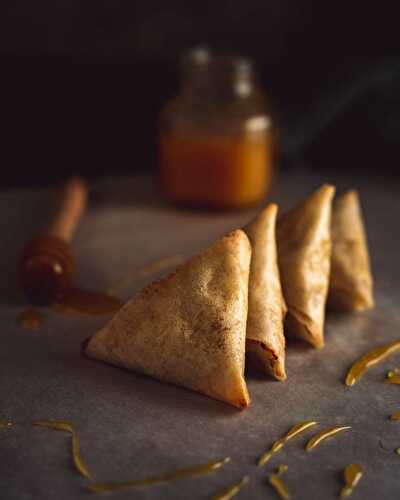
[[369, 360], [153, 268], [198, 470], [67, 427], [281, 469], [231, 491], [78, 301], [5, 423], [277, 483], [30, 318], [393, 372], [352, 475], [393, 378], [324, 434], [278, 445]]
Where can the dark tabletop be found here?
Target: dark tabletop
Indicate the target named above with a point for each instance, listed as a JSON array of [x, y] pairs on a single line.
[[131, 426]]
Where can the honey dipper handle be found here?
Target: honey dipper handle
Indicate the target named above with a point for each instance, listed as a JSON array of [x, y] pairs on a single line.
[[71, 205]]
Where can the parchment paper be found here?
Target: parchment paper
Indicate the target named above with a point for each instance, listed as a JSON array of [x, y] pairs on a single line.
[[131, 426]]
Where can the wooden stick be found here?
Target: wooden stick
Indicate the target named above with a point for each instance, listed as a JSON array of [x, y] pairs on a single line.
[[71, 205]]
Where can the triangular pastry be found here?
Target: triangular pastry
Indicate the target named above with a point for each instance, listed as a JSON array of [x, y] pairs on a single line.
[[304, 253], [188, 328], [265, 341], [351, 284]]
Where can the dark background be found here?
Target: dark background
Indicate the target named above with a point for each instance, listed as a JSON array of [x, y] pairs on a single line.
[[82, 81]]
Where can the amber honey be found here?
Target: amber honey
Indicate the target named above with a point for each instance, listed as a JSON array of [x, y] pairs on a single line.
[[216, 171]]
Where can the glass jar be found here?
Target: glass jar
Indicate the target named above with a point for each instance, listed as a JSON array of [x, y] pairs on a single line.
[[216, 137]]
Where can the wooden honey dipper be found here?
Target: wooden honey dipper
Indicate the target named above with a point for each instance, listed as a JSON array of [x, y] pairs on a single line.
[[47, 264]]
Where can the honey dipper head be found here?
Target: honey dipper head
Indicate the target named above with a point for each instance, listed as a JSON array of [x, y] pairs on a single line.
[[46, 269]]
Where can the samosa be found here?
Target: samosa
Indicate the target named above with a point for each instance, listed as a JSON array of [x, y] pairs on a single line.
[[188, 328], [265, 341], [304, 253], [351, 284]]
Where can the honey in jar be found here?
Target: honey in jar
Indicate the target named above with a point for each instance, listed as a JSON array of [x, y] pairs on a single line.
[[216, 139]]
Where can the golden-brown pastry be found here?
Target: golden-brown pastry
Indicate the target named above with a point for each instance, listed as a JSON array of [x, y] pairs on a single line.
[[188, 328], [351, 284], [265, 341], [304, 253]]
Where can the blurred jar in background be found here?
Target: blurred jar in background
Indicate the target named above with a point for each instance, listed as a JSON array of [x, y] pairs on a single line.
[[216, 136]]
